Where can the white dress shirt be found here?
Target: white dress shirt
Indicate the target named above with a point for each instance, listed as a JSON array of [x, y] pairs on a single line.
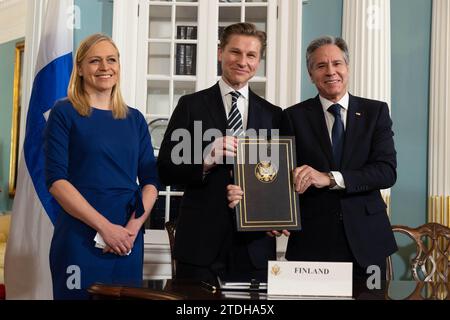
[[242, 102]]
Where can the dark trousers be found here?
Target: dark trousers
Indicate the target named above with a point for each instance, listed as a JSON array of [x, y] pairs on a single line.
[[336, 248], [233, 262]]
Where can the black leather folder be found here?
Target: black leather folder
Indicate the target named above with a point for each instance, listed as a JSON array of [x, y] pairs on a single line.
[[263, 169]]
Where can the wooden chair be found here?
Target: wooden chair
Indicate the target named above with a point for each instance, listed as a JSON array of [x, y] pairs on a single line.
[[431, 262], [5, 222], [171, 228], [423, 291]]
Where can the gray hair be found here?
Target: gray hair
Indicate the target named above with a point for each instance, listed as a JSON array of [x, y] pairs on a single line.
[[322, 41]]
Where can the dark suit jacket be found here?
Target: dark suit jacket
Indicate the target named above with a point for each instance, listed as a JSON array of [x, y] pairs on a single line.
[[368, 165], [205, 222]]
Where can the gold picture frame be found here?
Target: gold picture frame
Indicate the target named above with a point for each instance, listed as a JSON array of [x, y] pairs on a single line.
[[15, 123]]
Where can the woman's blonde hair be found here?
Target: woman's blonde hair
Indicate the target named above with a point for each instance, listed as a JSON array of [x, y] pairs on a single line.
[[76, 93]]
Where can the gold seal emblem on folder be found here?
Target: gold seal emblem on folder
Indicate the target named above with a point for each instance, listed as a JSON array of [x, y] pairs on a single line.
[[266, 171]]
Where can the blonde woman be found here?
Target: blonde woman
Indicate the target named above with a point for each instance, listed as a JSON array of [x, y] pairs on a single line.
[[96, 148]]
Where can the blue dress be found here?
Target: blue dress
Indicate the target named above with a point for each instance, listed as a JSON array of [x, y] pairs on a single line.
[[102, 157]]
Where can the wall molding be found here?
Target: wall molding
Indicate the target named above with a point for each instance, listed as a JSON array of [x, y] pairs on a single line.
[[12, 19], [5, 4], [439, 136], [288, 51], [124, 18], [366, 27]]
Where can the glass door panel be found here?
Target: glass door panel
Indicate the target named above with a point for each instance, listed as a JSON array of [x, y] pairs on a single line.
[[160, 26], [182, 88], [158, 97], [159, 59], [258, 16]]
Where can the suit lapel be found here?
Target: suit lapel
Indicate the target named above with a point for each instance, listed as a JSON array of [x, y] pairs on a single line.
[[319, 127], [254, 112], [352, 130], [215, 108]]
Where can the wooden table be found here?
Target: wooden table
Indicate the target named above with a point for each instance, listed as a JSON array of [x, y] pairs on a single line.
[[190, 290]]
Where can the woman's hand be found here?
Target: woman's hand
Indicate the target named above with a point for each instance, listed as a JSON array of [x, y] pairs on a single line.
[[117, 238], [133, 226]]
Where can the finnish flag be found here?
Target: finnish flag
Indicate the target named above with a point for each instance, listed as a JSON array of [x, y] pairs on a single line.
[[27, 270]]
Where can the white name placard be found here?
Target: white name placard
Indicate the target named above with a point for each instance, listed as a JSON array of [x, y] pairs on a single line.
[[332, 279]]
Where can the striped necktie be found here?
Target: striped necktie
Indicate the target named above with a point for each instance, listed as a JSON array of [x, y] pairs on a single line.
[[235, 117]]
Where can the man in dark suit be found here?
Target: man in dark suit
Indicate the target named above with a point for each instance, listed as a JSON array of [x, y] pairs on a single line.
[[345, 155], [206, 241]]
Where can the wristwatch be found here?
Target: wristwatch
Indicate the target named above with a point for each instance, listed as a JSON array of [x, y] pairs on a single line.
[[332, 180]]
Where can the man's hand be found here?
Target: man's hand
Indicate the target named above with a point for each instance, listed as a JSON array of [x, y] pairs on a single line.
[[234, 195], [220, 148], [306, 176], [275, 233]]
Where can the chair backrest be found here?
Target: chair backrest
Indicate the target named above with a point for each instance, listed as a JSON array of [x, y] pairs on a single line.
[[171, 228], [422, 291], [431, 262]]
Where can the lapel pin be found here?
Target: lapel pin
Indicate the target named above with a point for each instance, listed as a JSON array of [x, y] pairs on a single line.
[[358, 114]]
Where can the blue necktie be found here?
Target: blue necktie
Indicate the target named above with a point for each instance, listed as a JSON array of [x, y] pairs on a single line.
[[235, 118], [337, 134]]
